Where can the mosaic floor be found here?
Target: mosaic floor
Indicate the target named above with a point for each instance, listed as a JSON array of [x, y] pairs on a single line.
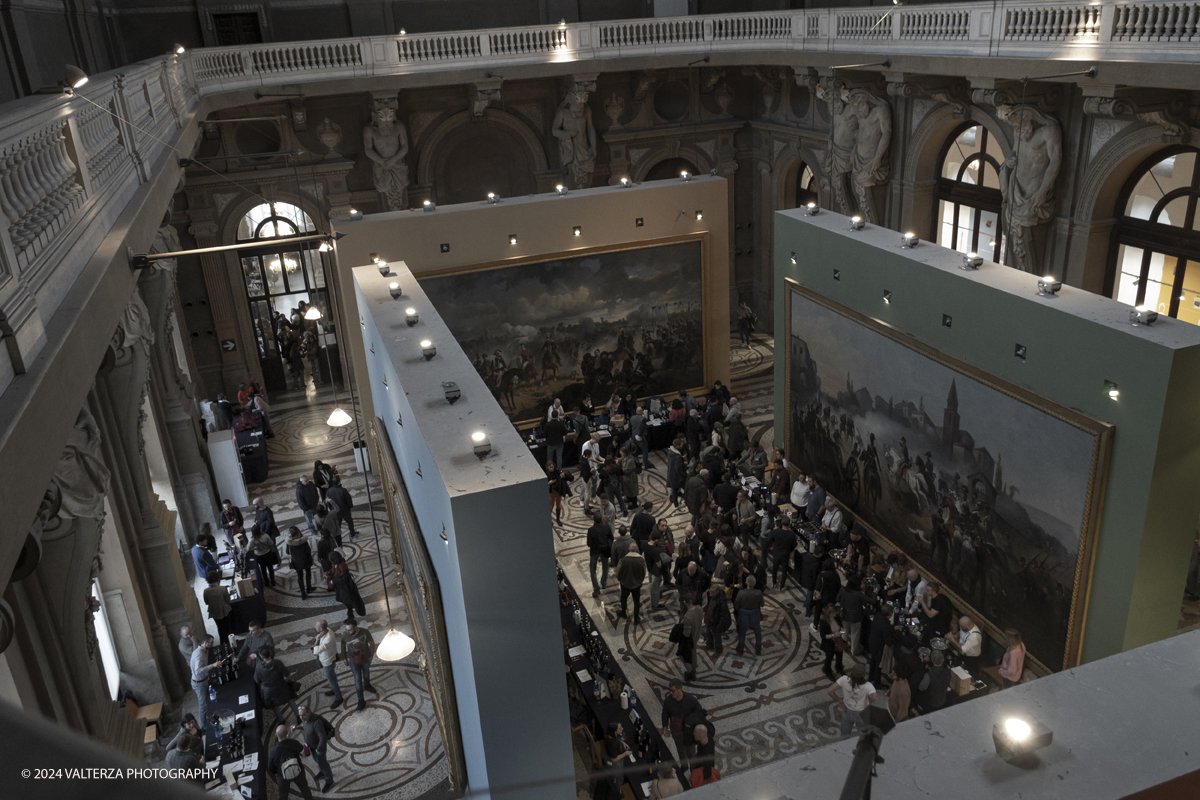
[[392, 749], [764, 708]]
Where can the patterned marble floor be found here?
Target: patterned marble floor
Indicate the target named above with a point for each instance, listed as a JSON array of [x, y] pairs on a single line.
[[764, 708], [392, 749]]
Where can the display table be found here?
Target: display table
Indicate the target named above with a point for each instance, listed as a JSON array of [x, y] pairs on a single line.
[[239, 697], [608, 710], [245, 609]]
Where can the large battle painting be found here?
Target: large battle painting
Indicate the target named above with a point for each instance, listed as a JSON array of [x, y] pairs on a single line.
[[628, 321], [991, 490]]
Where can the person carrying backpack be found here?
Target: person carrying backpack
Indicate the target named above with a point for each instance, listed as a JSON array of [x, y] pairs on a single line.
[[284, 765]]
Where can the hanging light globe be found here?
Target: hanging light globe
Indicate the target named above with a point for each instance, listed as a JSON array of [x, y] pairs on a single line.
[[338, 419], [395, 646]]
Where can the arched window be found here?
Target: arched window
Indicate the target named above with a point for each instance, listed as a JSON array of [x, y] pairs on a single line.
[[272, 220], [1157, 238], [806, 187], [968, 193]]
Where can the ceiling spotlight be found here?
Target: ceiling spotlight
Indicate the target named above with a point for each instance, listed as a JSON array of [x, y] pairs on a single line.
[[482, 446], [909, 240], [444, 247], [411, 316], [338, 419], [972, 261], [179, 49], [685, 175], [626, 182], [793, 258], [1143, 315], [1020, 351], [560, 190], [384, 269], [1110, 389], [577, 230], [811, 209], [837, 274], [429, 206], [427, 349], [493, 198], [887, 297], [73, 77], [639, 222], [1016, 738], [947, 320], [451, 390], [1049, 285], [324, 247], [857, 223], [312, 313], [512, 238], [395, 290], [699, 215]]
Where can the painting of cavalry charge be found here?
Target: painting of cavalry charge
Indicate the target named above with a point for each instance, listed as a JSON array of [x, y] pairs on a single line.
[[628, 321], [989, 489]]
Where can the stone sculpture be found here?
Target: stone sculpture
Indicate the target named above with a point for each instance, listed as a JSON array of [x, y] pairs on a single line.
[[576, 138], [869, 164], [330, 134], [1027, 181], [386, 143], [843, 130], [81, 475]]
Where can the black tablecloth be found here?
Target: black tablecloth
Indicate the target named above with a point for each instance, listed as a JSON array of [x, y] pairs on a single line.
[[228, 696], [247, 609], [252, 447], [609, 710]]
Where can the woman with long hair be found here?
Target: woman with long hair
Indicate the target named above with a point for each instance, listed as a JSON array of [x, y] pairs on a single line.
[[323, 476], [1012, 666], [266, 554], [829, 629], [558, 487], [344, 587]]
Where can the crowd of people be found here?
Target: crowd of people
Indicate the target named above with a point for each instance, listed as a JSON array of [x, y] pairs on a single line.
[[748, 538]]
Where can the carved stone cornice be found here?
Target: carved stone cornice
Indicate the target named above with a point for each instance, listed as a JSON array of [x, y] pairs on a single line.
[[998, 94], [955, 92], [1168, 110], [481, 94]]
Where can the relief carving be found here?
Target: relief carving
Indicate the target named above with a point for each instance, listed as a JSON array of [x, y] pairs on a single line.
[[576, 137], [1027, 181], [385, 143], [859, 141], [81, 475]]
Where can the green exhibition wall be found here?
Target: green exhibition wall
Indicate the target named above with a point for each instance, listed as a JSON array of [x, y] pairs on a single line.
[[1075, 342]]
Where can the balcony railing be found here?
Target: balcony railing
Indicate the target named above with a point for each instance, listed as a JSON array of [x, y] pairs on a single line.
[[68, 166]]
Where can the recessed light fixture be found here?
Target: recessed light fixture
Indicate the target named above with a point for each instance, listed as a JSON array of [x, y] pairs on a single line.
[[577, 230], [699, 215], [1110, 389], [837, 274], [1049, 285], [1019, 351], [857, 223], [793, 257], [512, 238], [947, 320], [639, 222], [445, 247], [887, 297]]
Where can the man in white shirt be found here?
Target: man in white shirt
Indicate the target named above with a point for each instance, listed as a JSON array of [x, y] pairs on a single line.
[[326, 650], [556, 406], [800, 490], [590, 452], [914, 590], [201, 669], [969, 643], [832, 520]]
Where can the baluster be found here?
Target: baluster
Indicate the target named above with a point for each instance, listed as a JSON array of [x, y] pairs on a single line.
[[1189, 28], [10, 202], [22, 182]]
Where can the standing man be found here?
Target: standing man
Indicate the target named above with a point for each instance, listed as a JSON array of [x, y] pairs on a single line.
[[692, 431], [631, 573], [717, 619], [677, 706], [676, 476], [202, 558], [589, 468], [308, 498], [186, 643], [216, 598], [256, 639], [810, 568], [749, 605], [556, 433], [884, 633], [695, 492], [300, 553], [231, 521], [783, 544], [643, 524], [854, 611], [284, 765], [201, 669], [969, 642], [743, 322], [637, 429], [600, 543], [693, 624], [816, 499], [317, 731], [799, 495], [358, 648], [326, 651], [341, 499]]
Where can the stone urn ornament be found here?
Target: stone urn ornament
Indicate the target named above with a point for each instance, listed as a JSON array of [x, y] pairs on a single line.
[[330, 135]]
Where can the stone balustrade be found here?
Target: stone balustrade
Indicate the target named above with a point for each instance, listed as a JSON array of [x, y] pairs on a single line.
[[68, 165]]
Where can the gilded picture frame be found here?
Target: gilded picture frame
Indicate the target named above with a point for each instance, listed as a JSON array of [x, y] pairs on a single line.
[[1042, 660]]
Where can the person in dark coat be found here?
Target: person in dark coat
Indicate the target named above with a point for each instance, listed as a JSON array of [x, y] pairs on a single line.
[[344, 587], [599, 542], [717, 619], [828, 586], [325, 547], [273, 679], [676, 477], [322, 476], [643, 524], [264, 518], [308, 498], [695, 492], [692, 432], [809, 565], [735, 438], [300, 552], [883, 632], [783, 544], [338, 495]]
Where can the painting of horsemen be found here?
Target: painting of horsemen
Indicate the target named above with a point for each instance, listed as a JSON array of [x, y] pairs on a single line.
[[991, 490], [628, 321]]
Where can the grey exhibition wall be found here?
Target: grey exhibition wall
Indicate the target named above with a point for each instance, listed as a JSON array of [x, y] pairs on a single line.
[[1075, 342]]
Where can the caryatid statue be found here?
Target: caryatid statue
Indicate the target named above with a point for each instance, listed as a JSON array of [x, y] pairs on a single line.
[[386, 143], [869, 163], [843, 130], [1027, 181], [576, 138]]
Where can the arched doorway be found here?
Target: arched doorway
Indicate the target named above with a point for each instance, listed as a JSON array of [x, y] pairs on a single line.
[[806, 186], [481, 157], [278, 278], [967, 194], [1157, 238], [669, 168]]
